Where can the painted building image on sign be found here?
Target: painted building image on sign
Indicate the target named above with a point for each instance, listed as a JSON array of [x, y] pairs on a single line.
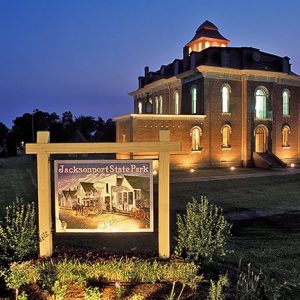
[[103, 196]]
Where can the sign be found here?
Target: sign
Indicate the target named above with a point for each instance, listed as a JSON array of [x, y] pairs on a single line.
[[103, 196]]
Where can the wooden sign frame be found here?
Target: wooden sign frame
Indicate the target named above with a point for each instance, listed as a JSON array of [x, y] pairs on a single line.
[[43, 149]]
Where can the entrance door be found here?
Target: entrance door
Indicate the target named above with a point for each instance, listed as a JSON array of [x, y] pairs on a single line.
[[260, 139]]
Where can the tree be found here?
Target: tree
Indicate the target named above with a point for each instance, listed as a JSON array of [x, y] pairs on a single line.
[[3, 133], [109, 133], [86, 125]]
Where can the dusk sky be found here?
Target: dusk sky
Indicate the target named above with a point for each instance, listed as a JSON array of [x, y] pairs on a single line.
[[85, 55]]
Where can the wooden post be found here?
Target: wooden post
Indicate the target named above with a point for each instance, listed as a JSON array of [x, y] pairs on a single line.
[[44, 195], [164, 198]]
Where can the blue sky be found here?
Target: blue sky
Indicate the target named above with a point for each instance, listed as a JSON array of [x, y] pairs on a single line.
[[85, 55]]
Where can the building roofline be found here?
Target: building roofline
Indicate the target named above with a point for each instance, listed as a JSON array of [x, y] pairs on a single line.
[[154, 84], [159, 117]]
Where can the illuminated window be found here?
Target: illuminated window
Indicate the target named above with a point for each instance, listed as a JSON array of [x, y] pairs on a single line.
[[149, 106], [286, 103], [285, 135], [194, 99], [196, 133], [223, 45], [226, 132], [207, 44], [260, 104], [156, 105], [176, 102], [199, 46], [140, 107], [215, 44], [160, 104], [225, 90]]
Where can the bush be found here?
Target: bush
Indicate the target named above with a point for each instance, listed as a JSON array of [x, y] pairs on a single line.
[[216, 289], [203, 233], [18, 233]]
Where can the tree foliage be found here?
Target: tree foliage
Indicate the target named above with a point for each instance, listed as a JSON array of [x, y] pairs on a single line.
[[62, 129]]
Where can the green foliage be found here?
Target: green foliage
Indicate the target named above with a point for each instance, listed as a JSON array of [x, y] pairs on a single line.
[[20, 274], [47, 274], [92, 293], [216, 291], [18, 233], [22, 296], [203, 232], [59, 291]]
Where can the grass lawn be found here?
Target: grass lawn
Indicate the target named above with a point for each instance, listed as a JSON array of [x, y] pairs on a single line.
[[265, 212]]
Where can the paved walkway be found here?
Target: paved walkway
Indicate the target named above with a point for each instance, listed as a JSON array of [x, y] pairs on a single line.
[[200, 175]]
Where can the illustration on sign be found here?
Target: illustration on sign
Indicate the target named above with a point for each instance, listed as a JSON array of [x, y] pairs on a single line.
[[103, 196]]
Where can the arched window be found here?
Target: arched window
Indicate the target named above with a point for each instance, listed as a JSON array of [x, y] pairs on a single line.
[[176, 102], [149, 106], [261, 103], [286, 102], [140, 107], [196, 133], [156, 105], [286, 130], [207, 44], [225, 90], [160, 104], [226, 132], [194, 99]]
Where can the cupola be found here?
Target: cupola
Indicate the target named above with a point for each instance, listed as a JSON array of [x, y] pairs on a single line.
[[207, 35]]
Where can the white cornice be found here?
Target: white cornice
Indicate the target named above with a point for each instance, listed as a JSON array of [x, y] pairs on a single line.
[[222, 73], [156, 85], [159, 117]]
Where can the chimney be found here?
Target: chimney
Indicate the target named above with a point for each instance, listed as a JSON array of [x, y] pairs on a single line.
[[286, 67], [193, 60], [141, 81], [186, 58], [146, 74], [176, 67]]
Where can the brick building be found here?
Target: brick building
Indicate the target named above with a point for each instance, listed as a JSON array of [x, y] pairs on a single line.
[[229, 106]]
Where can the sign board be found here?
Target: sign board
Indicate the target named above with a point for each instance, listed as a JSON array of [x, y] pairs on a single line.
[[103, 196]]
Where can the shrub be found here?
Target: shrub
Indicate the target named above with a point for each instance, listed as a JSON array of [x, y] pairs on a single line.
[[203, 233], [59, 291], [216, 289], [92, 293], [20, 274], [18, 233]]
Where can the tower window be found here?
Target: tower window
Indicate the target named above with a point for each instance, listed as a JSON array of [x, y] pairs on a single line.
[[285, 135], [176, 102], [286, 103], [140, 107], [226, 132], [194, 99], [160, 104], [260, 104], [156, 105], [225, 90], [196, 133]]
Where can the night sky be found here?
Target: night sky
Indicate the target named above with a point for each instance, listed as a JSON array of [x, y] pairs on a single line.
[[85, 55]]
